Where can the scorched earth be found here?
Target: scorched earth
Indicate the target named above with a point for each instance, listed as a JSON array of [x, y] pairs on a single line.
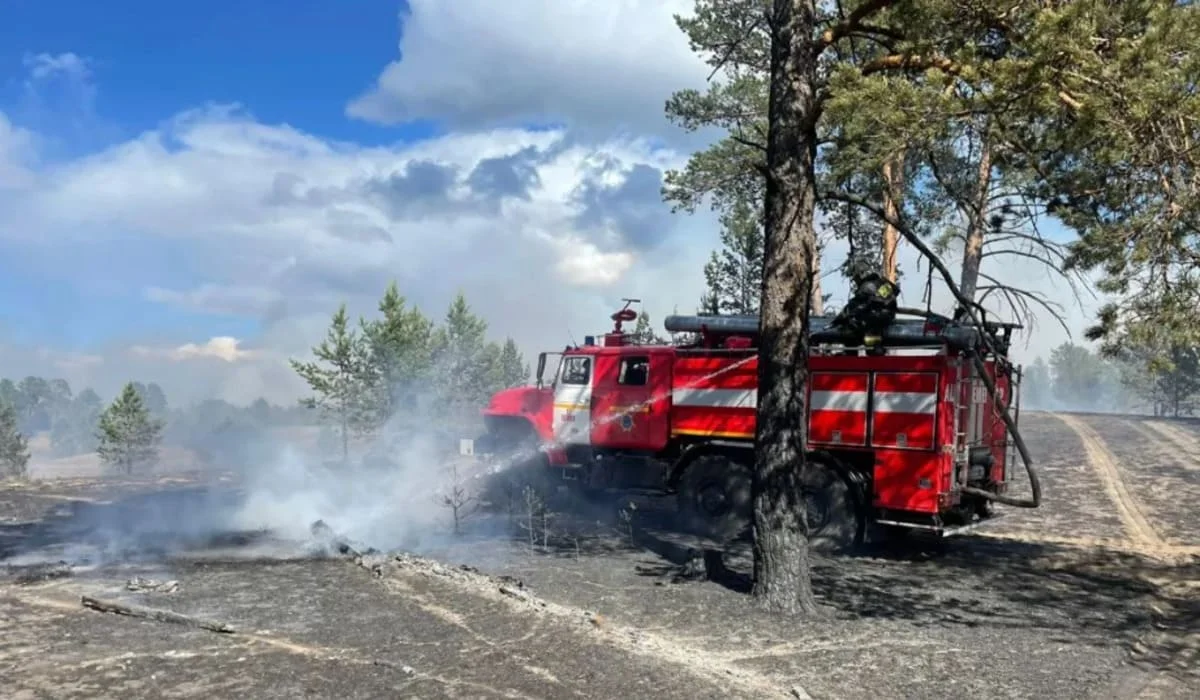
[[1094, 595]]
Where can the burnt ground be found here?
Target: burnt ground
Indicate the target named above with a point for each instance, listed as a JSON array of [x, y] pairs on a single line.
[[1094, 595]]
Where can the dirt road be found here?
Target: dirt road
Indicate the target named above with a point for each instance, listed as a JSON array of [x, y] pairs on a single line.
[[1095, 595]]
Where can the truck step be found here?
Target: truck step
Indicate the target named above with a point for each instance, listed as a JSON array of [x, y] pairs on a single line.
[[943, 531]]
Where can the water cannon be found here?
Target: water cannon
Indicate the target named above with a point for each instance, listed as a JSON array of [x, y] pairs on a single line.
[[625, 315], [617, 337]]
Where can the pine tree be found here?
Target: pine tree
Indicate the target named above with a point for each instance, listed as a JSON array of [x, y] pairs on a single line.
[[9, 394], [734, 276], [128, 434], [513, 371], [462, 367], [782, 569], [342, 386], [74, 432], [709, 304], [14, 448], [1163, 379], [399, 345], [154, 399], [643, 332]]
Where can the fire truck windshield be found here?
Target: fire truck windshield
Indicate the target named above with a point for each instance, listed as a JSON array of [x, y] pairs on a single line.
[[541, 368]]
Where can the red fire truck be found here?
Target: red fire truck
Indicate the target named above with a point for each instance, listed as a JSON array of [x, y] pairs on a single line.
[[913, 429]]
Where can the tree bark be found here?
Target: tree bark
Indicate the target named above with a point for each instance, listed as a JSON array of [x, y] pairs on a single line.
[[782, 572], [345, 435], [817, 305], [893, 178], [976, 223]]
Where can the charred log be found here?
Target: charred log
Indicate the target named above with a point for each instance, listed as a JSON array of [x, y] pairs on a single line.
[[112, 606]]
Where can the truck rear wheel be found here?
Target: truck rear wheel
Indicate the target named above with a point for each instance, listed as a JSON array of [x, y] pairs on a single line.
[[833, 510], [714, 497]]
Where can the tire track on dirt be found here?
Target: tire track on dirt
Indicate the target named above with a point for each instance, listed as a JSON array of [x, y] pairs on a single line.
[[1136, 524], [1186, 442], [716, 668], [1162, 474], [249, 640], [1105, 543]]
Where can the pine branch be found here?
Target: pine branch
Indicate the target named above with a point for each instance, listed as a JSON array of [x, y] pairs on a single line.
[[855, 23], [917, 62], [736, 44]]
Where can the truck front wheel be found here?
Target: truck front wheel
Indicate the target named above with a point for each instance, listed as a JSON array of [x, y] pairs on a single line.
[[714, 497]]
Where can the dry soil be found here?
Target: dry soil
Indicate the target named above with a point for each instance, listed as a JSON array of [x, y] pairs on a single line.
[[1094, 595]]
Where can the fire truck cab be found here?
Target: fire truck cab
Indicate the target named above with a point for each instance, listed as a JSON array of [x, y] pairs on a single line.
[[902, 430]]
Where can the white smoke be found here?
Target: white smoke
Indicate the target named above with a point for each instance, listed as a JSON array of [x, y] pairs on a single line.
[[396, 504]]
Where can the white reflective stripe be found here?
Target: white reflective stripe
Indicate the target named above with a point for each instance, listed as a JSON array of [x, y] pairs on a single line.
[[716, 398], [905, 402], [855, 401]]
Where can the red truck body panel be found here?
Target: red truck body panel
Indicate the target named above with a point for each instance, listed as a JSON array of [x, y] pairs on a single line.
[[893, 407]]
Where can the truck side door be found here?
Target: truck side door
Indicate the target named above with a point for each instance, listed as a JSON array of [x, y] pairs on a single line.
[[631, 401], [572, 412]]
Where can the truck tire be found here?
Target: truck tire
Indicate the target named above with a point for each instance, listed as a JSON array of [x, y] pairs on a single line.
[[714, 497], [836, 522]]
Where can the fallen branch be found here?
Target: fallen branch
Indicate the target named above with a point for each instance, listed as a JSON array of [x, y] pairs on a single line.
[[137, 583], [111, 606]]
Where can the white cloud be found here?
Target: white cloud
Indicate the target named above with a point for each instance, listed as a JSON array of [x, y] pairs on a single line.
[[60, 91], [537, 229], [222, 348], [224, 299], [17, 155], [598, 66], [44, 66]]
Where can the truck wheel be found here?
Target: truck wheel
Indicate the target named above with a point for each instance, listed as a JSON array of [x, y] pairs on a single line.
[[835, 520], [714, 497]]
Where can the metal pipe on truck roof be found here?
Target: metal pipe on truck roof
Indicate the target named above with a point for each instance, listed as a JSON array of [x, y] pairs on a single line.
[[741, 324]]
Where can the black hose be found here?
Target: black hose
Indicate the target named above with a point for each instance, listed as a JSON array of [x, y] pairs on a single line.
[[1035, 484]]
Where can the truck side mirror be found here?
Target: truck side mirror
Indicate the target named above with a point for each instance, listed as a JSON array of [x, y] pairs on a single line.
[[541, 367]]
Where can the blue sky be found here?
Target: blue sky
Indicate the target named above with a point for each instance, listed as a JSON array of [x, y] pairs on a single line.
[[153, 59]]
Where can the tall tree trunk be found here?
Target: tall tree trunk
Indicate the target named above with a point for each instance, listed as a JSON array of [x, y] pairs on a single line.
[[893, 191], [345, 435], [748, 294], [977, 222], [782, 571], [817, 304]]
